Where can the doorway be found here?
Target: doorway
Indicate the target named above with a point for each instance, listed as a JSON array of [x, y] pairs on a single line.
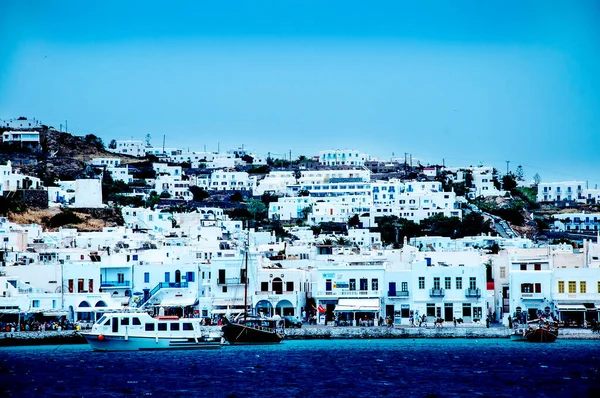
[[448, 312]]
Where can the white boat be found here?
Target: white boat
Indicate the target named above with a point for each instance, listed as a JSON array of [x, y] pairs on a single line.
[[132, 331]]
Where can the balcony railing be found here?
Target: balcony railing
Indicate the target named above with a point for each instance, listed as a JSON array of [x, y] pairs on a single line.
[[532, 296], [273, 292], [115, 284], [397, 293], [349, 293], [230, 281], [473, 292], [436, 293]]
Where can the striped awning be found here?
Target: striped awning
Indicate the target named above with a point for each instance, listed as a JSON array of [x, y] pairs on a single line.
[[570, 307]]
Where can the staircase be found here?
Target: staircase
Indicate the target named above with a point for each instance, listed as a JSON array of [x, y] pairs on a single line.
[[157, 288]]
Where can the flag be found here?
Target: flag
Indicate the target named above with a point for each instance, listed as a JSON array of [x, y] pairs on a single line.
[[321, 309]]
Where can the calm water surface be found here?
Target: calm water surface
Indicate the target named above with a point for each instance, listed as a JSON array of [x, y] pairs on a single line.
[[422, 367]]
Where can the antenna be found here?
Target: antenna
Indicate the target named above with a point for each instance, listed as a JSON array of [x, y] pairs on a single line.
[[164, 139]]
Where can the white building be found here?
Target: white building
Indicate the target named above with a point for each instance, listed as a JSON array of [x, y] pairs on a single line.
[[12, 180], [130, 147], [561, 191], [276, 182], [222, 180], [88, 193], [342, 157], [579, 222], [22, 138]]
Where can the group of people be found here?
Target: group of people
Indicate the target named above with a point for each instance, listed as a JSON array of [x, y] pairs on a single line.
[[39, 326]]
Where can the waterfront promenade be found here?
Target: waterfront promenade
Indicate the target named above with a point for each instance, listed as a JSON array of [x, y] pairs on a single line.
[[314, 332]]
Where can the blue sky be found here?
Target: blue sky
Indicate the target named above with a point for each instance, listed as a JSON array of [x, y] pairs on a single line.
[[464, 81]]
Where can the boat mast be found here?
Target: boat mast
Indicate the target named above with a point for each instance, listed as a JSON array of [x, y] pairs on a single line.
[[246, 275]]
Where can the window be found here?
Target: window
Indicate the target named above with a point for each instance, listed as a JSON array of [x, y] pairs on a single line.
[[125, 321], [146, 277], [523, 267], [149, 327], [526, 288], [35, 303], [502, 272], [598, 286], [459, 282], [572, 287], [448, 283], [264, 286], [466, 309], [162, 326], [187, 326], [538, 287], [224, 289], [405, 286], [352, 284], [561, 286], [430, 309], [289, 286], [190, 276], [537, 267], [364, 284], [472, 282], [174, 327], [167, 278], [374, 284], [582, 287], [421, 282], [135, 321]]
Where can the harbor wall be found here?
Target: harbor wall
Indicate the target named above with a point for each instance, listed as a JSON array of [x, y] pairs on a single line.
[[312, 333]]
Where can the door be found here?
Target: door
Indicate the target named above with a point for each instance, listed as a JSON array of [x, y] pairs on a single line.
[[115, 325], [177, 276], [328, 285], [392, 287], [448, 312], [389, 311]]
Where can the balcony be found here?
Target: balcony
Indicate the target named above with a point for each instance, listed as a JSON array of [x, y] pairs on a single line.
[[436, 293], [348, 293], [473, 293], [230, 281], [402, 294], [532, 296], [115, 284]]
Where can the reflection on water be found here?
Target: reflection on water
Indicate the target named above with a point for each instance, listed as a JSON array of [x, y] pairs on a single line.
[[422, 367]]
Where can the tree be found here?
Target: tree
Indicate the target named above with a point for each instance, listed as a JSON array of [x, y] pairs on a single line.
[[95, 141], [303, 192], [112, 144], [257, 209], [354, 221], [165, 195], [509, 182], [248, 159], [306, 211], [519, 174], [199, 193], [236, 197], [537, 179]]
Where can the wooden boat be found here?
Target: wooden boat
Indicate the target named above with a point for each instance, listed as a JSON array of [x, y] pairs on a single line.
[[250, 330], [543, 333]]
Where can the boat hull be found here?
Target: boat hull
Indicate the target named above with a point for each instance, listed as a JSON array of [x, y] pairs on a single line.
[[100, 342], [242, 334], [541, 335]]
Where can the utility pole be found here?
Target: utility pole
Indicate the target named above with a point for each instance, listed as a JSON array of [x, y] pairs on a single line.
[[444, 162], [164, 139], [218, 147], [507, 163], [290, 158], [60, 128], [405, 164], [66, 126]]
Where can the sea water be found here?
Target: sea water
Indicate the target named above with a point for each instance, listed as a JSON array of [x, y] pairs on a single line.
[[350, 368]]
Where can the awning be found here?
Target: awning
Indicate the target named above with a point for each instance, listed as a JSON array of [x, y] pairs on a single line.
[[227, 303], [570, 307], [54, 313], [177, 301], [229, 311], [357, 305]]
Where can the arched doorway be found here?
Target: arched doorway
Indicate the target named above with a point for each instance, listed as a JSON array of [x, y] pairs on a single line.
[[177, 276], [264, 307], [284, 307], [84, 310], [277, 285]]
